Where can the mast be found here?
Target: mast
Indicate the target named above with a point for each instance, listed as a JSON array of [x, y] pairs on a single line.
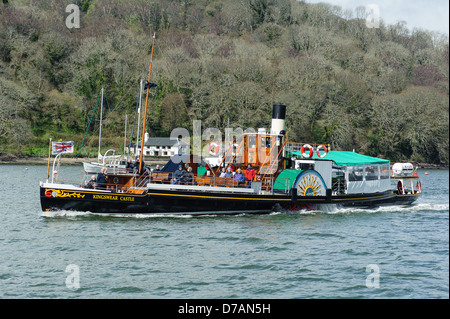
[[100, 132], [146, 103], [139, 116], [125, 138]]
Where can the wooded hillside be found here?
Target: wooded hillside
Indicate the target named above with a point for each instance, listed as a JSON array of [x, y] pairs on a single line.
[[381, 91]]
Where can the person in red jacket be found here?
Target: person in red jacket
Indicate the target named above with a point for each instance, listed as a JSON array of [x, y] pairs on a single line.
[[249, 175]]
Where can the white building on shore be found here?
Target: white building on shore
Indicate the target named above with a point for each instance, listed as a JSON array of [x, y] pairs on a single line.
[[159, 146]]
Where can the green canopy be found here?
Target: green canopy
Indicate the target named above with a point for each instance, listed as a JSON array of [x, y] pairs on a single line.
[[345, 158], [286, 179]]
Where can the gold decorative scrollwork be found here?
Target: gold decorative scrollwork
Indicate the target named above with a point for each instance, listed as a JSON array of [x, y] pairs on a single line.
[[62, 193]]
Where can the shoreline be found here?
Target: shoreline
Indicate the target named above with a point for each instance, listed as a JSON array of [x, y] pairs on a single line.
[[69, 161]]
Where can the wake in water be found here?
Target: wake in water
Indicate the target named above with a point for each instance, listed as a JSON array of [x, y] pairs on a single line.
[[76, 214], [338, 209], [323, 209]]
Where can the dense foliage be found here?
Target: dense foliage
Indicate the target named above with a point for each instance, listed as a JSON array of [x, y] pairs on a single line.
[[381, 91]]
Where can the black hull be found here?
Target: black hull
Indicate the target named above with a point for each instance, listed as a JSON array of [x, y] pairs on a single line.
[[406, 199], [191, 202]]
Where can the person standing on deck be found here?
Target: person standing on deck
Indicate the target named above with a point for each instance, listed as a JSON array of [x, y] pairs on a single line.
[[101, 179], [249, 175]]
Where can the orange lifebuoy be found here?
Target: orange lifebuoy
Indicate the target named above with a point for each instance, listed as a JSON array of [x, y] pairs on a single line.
[[303, 150], [213, 149], [325, 151]]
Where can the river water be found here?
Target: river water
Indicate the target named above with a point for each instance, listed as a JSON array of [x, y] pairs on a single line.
[[400, 252]]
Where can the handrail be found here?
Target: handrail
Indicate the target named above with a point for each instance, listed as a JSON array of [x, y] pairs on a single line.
[[294, 146], [278, 155]]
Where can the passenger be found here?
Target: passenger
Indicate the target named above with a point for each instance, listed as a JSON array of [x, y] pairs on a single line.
[[188, 177], [239, 177], [101, 179], [136, 166], [178, 175], [249, 175], [157, 169], [229, 174], [223, 172], [91, 183], [130, 166]]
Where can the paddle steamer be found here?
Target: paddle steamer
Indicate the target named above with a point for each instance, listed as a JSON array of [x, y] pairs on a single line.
[[287, 176]]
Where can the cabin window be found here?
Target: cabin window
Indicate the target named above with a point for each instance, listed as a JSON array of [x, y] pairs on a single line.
[[371, 172], [268, 144], [384, 171], [252, 141], [355, 173]]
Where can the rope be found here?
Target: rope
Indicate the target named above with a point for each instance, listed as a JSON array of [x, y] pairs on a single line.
[[89, 125]]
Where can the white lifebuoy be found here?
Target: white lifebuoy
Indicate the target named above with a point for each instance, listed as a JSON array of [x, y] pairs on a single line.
[[303, 150], [325, 151], [213, 149]]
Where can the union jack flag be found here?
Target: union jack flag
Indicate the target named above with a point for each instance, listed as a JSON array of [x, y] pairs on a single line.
[[62, 147]]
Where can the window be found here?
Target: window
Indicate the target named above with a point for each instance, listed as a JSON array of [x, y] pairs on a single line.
[[384, 171], [355, 173], [371, 172], [251, 141]]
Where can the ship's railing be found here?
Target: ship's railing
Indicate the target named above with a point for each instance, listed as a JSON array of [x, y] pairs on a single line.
[[137, 184], [339, 186], [266, 184]]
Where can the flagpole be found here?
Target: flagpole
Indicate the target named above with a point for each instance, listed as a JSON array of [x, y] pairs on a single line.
[[146, 102], [49, 153]]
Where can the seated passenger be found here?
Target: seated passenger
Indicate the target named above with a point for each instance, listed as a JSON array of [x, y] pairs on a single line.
[[91, 183], [239, 176], [130, 166], [188, 177], [178, 175], [228, 174]]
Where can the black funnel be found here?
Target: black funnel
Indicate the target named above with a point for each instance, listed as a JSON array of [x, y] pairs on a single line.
[[279, 111]]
